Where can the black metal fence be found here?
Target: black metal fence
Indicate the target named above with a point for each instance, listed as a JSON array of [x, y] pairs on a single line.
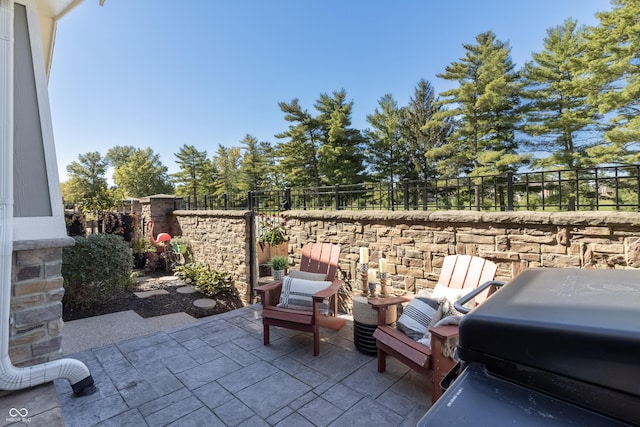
[[614, 188]]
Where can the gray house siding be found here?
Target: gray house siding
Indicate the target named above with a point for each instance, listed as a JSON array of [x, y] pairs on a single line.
[[31, 188]]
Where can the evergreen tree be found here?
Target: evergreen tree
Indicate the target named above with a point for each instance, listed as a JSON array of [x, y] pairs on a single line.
[[557, 116], [273, 178], [321, 150], [614, 72], [209, 178], [387, 154], [299, 153], [253, 166], [138, 172], [424, 135], [341, 152], [484, 110], [227, 162], [193, 168]]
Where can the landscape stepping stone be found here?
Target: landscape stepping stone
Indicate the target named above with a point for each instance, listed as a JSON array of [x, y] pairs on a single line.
[[186, 290], [205, 303], [147, 294]]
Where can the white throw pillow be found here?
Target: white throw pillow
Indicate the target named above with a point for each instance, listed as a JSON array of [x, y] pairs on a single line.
[[447, 297], [297, 274], [449, 320], [442, 291], [296, 294]]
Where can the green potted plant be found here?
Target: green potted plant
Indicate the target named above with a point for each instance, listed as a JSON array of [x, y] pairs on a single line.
[[271, 230], [180, 244], [278, 264], [140, 246]]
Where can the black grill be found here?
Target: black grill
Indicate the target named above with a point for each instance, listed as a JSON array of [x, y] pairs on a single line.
[[553, 344]]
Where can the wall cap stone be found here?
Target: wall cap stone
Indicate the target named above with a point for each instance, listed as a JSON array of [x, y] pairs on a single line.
[[159, 196], [460, 217], [30, 245], [596, 218], [214, 213]]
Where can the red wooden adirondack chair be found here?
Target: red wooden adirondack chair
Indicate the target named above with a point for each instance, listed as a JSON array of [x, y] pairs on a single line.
[[316, 258], [459, 272]]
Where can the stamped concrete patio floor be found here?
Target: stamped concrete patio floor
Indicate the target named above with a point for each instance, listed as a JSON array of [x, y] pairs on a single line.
[[216, 372]]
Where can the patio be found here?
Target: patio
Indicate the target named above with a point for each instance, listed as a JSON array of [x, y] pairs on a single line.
[[216, 372]]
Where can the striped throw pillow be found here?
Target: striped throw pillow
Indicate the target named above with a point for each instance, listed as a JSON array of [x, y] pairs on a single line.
[[297, 294], [418, 316]]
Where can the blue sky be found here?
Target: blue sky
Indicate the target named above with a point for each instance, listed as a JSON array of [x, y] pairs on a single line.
[[161, 73]]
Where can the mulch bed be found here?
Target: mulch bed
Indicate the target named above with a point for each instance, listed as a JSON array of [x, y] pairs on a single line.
[[156, 305]]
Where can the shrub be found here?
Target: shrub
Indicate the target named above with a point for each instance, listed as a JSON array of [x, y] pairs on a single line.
[[98, 266], [210, 282]]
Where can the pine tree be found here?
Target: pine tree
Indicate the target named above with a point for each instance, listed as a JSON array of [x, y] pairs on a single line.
[[557, 116], [299, 153], [386, 153], [226, 162], [484, 111], [193, 167], [320, 150], [253, 166], [341, 153], [273, 178], [614, 73], [424, 136]]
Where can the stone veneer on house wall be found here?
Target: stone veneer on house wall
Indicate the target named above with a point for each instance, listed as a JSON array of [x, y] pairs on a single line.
[[35, 334]]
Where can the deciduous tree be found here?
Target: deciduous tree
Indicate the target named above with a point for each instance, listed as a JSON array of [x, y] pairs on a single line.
[[88, 177], [139, 172]]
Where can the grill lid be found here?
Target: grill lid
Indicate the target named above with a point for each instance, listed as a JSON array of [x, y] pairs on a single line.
[[577, 323]]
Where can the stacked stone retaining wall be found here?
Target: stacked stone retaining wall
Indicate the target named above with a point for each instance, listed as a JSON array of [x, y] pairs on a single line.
[[219, 239], [416, 242]]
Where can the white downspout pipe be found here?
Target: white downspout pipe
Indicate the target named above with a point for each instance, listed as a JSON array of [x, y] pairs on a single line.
[[12, 378]]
